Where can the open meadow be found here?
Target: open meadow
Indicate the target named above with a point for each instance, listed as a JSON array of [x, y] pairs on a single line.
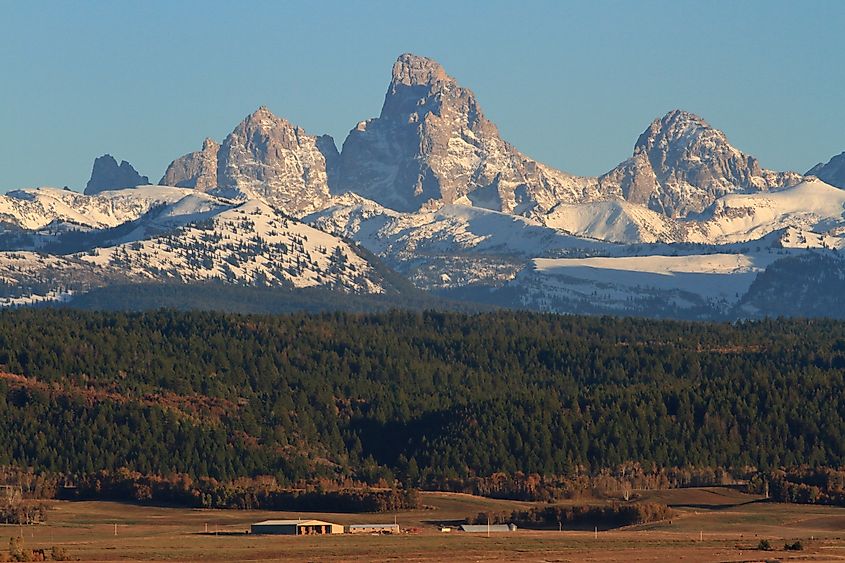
[[715, 525]]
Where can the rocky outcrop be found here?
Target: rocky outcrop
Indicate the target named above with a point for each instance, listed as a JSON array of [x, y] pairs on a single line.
[[264, 157], [268, 157], [432, 145], [194, 170], [681, 165], [108, 175], [833, 172]]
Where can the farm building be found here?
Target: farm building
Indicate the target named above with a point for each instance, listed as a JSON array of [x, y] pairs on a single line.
[[484, 528], [373, 529], [296, 527]]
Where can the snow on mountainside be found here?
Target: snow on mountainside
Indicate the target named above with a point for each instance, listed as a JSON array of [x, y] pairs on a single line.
[[251, 244], [452, 246], [164, 233], [31, 277], [194, 207], [712, 283], [451, 228], [36, 208], [793, 237], [811, 206], [432, 145], [618, 221], [431, 188], [681, 165]]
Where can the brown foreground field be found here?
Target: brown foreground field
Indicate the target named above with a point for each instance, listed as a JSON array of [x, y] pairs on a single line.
[[712, 524]]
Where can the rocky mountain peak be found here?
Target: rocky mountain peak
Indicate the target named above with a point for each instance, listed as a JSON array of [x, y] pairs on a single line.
[[107, 174], [266, 156], [681, 165], [194, 170], [677, 127], [419, 86], [262, 124], [210, 144], [832, 172], [414, 70], [263, 117], [432, 145]]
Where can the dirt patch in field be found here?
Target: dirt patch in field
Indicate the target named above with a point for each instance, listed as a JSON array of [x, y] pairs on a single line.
[[826, 523], [701, 497]]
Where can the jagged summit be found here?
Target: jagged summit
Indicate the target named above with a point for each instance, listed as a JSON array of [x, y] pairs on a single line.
[[833, 172], [415, 70], [432, 145], [675, 126], [269, 157], [681, 165], [417, 85], [265, 156], [266, 118], [106, 174], [194, 170]]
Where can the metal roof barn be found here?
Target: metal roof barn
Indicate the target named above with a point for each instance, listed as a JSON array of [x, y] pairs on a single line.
[[296, 527]]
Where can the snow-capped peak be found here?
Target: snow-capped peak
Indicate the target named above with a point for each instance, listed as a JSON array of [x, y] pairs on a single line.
[[681, 165]]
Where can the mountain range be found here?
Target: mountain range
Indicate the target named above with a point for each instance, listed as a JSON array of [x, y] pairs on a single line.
[[430, 189]]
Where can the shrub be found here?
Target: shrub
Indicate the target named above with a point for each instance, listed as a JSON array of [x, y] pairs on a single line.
[[794, 546], [58, 553], [764, 545]]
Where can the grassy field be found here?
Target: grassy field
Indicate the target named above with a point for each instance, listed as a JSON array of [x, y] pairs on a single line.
[[711, 525]]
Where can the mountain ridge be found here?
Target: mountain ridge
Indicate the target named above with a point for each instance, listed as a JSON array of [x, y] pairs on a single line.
[[433, 144], [264, 156], [832, 172], [107, 174], [681, 165], [431, 188]]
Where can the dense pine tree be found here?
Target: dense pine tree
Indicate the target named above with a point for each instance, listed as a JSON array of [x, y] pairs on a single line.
[[423, 397]]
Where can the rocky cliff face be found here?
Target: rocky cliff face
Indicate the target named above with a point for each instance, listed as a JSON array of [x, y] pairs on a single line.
[[432, 145], [108, 175], [833, 172], [267, 157], [681, 165], [194, 170]]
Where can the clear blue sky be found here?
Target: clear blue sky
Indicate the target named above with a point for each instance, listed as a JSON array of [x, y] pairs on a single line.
[[570, 83]]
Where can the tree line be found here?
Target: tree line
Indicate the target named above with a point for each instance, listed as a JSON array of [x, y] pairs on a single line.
[[421, 399], [582, 516]]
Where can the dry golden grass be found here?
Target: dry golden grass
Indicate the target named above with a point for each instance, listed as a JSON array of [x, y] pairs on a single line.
[[721, 533]]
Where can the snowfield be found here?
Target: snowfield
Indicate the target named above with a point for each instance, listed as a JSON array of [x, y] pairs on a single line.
[[36, 208], [618, 221], [811, 206], [602, 255], [712, 276], [251, 244], [449, 229]]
